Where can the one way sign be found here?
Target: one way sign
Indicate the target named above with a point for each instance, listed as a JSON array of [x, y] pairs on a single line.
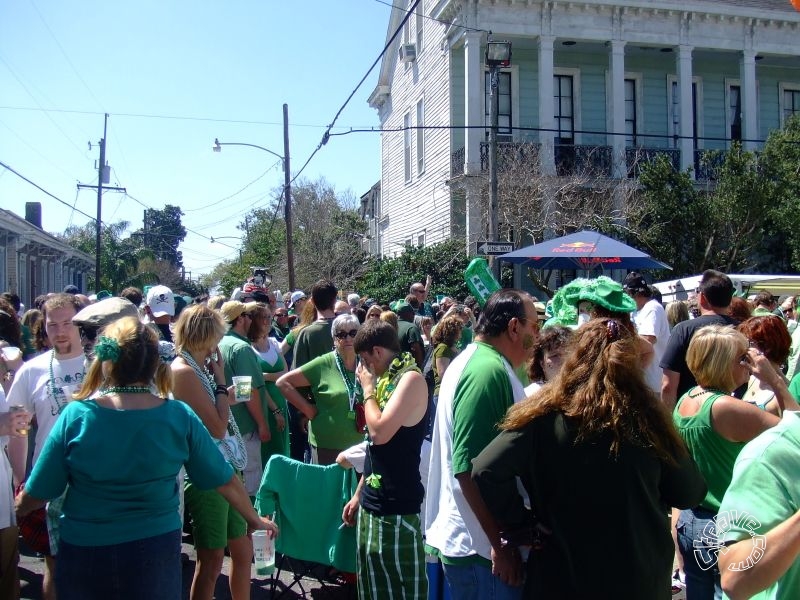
[[494, 248]]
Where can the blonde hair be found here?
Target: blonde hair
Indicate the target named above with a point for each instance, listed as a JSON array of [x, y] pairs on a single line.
[[198, 328], [216, 302], [711, 354], [374, 309], [138, 360], [677, 312], [307, 317], [601, 389], [389, 317]]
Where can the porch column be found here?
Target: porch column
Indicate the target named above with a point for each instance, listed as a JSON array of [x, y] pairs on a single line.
[[546, 119], [617, 105], [473, 90], [748, 91], [473, 115], [686, 107]]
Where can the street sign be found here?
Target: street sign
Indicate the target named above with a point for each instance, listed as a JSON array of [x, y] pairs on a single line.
[[495, 248]]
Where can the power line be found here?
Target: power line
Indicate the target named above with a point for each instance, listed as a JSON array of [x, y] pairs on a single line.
[[326, 135], [155, 116], [188, 210], [434, 19], [40, 188]]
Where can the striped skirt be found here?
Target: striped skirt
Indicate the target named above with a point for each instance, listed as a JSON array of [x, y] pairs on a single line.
[[391, 558]]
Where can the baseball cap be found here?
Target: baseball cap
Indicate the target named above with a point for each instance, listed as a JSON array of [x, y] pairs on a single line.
[[161, 301], [233, 309], [634, 282], [105, 311], [297, 295]]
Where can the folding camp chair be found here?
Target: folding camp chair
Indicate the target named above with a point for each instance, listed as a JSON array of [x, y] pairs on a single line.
[[307, 502]]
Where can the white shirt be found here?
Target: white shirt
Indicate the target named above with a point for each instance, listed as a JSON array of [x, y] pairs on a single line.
[[652, 320], [7, 518], [33, 389]]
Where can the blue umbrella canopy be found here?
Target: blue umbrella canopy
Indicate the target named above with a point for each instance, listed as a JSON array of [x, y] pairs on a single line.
[[584, 250]]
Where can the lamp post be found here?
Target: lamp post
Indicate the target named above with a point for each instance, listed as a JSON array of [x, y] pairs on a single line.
[[287, 187], [498, 54]]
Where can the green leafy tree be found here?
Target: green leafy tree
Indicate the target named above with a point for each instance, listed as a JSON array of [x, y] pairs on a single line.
[[162, 233], [388, 279], [119, 257]]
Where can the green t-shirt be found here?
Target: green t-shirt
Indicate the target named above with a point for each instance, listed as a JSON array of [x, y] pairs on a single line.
[[481, 400], [334, 427], [765, 487], [240, 359], [408, 334], [713, 454], [313, 341], [794, 386], [121, 467]]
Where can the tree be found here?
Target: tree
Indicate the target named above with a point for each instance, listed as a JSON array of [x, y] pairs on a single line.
[[119, 258], [162, 233], [327, 240], [387, 279]]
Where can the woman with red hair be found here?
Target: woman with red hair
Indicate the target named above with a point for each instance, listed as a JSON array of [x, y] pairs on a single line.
[[769, 335]]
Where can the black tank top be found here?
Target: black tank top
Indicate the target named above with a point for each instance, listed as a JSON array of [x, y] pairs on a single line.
[[397, 462]]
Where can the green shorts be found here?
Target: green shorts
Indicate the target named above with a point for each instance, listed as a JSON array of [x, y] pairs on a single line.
[[213, 520]]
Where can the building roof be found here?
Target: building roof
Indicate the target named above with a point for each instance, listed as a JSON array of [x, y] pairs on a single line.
[[30, 232]]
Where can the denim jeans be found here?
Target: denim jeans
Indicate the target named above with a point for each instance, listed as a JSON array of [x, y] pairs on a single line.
[[476, 582], [147, 568], [699, 552]]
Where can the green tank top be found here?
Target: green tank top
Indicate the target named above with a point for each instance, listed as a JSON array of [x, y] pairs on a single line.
[[713, 454]]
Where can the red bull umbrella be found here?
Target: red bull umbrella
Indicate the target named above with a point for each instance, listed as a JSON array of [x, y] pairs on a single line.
[[585, 250]]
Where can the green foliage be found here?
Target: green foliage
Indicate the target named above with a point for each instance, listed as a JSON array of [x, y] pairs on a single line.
[[162, 233], [388, 279], [119, 258]]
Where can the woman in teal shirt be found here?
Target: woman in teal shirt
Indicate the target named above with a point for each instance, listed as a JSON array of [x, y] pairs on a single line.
[[120, 449]]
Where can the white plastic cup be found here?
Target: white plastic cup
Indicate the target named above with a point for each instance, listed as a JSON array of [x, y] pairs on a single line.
[[11, 353], [243, 385], [19, 408], [264, 551], [68, 391]]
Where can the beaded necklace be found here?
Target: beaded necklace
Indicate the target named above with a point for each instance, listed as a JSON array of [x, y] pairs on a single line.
[[353, 387], [126, 389], [238, 456]]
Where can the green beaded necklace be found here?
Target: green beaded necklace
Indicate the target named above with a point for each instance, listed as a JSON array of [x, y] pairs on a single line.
[[126, 389]]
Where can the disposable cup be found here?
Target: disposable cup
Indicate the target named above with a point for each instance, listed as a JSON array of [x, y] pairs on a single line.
[[11, 353], [15, 409], [243, 385], [264, 552]]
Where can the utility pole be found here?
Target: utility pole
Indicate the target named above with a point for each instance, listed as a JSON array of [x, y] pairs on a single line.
[[494, 115], [101, 167], [287, 198]]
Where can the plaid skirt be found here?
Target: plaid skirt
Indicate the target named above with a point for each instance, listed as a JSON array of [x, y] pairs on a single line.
[[391, 558]]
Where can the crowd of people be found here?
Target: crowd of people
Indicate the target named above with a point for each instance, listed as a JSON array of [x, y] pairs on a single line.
[[503, 448]]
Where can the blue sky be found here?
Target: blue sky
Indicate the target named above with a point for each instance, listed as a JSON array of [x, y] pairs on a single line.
[[173, 76]]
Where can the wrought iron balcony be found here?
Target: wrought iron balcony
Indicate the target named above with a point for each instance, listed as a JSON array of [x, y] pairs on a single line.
[[636, 157]]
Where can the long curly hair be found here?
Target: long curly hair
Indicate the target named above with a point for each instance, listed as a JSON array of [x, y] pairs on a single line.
[[601, 388]]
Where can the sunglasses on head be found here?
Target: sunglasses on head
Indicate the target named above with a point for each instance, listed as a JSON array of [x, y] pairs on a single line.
[[340, 335]]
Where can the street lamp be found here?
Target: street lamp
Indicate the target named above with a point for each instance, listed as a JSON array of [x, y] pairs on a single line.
[[213, 239], [287, 187], [498, 54]]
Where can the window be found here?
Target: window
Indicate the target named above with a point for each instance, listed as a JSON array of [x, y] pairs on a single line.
[[420, 138], [675, 121], [421, 240], [407, 145], [734, 114], [631, 116], [504, 116], [407, 243], [563, 109], [791, 103]]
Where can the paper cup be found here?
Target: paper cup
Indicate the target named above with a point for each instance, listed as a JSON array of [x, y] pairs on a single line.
[[243, 385], [264, 552]]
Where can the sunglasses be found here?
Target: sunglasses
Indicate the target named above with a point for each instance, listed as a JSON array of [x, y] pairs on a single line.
[[341, 335]]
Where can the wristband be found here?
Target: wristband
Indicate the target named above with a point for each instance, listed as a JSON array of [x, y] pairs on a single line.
[[220, 389], [277, 411], [370, 397]]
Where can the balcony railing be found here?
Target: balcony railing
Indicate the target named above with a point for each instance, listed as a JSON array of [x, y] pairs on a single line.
[[584, 160], [636, 157]]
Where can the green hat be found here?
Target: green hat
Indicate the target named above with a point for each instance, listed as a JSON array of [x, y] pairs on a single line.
[[103, 294], [607, 293], [561, 308], [399, 305]]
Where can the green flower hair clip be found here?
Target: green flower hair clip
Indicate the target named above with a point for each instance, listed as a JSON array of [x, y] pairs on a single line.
[[107, 349]]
